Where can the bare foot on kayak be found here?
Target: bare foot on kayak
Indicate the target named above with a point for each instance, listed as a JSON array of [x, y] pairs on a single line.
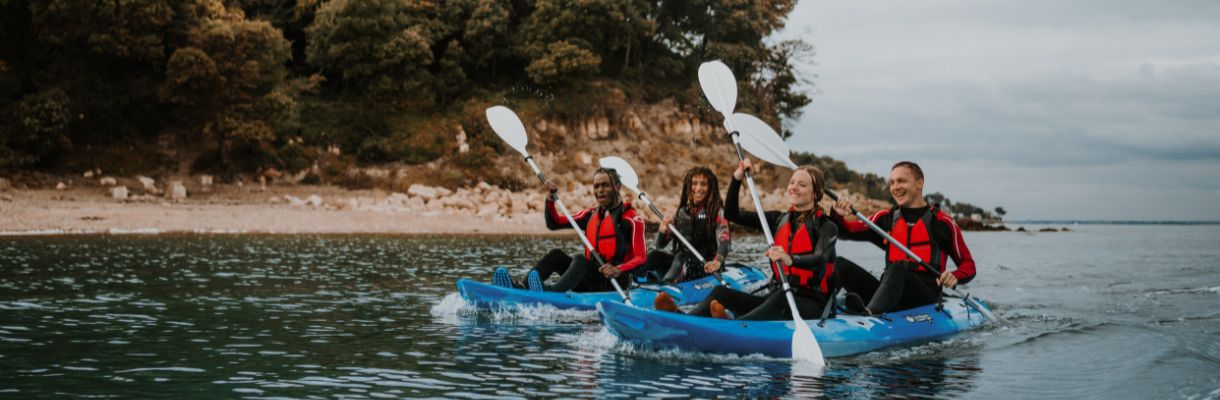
[[664, 303], [718, 310]]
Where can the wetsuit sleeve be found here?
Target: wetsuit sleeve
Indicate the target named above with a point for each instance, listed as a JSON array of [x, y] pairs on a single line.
[[956, 248], [638, 249], [733, 212], [556, 221], [823, 251], [859, 231], [724, 240], [662, 240]]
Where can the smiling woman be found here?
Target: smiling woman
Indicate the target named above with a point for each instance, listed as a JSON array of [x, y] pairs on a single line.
[[700, 218]]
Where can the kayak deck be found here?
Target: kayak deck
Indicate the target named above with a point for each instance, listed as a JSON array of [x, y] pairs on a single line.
[[738, 276], [841, 336]]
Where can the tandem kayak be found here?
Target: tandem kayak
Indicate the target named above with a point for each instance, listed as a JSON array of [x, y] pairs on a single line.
[[841, 336], [737, 276]]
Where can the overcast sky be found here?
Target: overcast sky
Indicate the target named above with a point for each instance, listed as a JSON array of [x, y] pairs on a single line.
[[1093, 109]]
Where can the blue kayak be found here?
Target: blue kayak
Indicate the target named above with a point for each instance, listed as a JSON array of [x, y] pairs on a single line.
[[841, 336], [737, 276]]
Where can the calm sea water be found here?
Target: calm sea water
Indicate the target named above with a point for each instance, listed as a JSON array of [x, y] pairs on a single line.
[[1099, 312]]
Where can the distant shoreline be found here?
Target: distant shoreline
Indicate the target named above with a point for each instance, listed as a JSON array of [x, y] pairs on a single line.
[[237, 210]]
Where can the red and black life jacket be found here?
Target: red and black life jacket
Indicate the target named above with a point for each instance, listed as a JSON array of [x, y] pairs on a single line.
[[605, 234], [918, 238], [797, 240]]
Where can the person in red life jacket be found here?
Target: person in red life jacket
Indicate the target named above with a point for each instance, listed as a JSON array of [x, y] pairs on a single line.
[[614, 229], [924, 229], [700, 219], [804, 248]]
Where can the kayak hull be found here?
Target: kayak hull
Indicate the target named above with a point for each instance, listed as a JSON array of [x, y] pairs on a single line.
[[841, 336], [484, 295]]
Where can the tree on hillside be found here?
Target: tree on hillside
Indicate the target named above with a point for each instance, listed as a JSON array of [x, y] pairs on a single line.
[[473, 45], [937, 199], [39, 125], [228, 82], [566, 40], [379, 49], [291, 18], [395, 75], [777, 85], [96, 62]]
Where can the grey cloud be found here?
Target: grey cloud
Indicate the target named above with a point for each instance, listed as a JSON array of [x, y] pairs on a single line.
[[1081, 109], [1045, 119]]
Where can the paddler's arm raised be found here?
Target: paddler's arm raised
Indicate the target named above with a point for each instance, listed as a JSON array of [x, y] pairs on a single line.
[[732, 207], [858, 230], [556, 220]]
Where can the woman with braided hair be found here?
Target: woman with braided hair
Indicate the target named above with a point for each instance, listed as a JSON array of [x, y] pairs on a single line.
[[700, 219]]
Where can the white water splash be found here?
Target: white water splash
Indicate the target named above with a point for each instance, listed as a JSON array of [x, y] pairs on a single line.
[[1213, 289], [452, 308]]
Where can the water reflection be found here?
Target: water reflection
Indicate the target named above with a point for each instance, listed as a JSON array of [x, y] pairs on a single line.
[[701, 375], [357, 316]]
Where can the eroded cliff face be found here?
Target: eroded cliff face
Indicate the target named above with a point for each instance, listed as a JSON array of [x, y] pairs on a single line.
[[661, 141]]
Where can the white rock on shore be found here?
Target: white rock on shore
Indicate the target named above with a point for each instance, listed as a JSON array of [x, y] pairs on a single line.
[[148, 183], [426, 192], [294, 201]]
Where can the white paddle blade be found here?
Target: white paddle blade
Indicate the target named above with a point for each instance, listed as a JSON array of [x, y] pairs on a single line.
[[625, 173], [719, 86], [762, 141], [805, 346], [509, 127]]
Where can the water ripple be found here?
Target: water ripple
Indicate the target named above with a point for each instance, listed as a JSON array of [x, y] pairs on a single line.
[[266, 316]]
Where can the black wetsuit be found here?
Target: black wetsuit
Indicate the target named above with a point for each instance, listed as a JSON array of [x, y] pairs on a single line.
[[810, 297], [904, 285], [679, 265], [580, 273]]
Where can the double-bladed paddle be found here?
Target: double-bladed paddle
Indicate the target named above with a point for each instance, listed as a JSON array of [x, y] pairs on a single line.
[[720, 87], [508, 126], [762, 141]]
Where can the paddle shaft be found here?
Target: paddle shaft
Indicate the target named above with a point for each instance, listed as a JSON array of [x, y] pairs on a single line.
[[762, 220], [718, 82], [655, 211], [911, 254], [571, 221]]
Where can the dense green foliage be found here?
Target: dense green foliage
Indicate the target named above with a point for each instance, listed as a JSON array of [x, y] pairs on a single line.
[[237, 85]]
